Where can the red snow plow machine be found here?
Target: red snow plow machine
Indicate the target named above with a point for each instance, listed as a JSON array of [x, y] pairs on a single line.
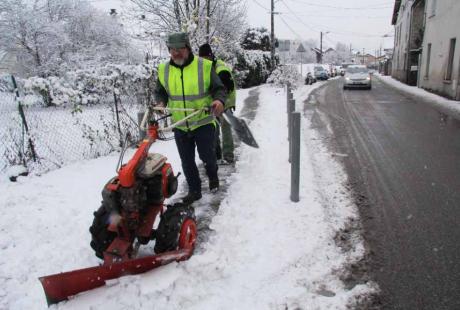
[[131, 202]]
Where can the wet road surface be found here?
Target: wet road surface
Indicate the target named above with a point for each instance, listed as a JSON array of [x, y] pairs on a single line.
[[403, 162]]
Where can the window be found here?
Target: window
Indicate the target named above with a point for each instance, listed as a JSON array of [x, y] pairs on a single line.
[[428, 58], [450, 60]]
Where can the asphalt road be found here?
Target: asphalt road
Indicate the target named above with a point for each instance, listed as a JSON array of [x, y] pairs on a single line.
[[403, 162]]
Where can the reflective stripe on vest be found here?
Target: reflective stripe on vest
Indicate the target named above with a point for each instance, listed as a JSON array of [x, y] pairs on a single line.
[[187, 87], [231, 98]]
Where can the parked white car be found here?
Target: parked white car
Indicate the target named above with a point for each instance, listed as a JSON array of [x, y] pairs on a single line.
[[357, 76]]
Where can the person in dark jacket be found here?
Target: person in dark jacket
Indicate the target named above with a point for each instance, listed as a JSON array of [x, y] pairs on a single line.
[[226, 151], [187, 81]]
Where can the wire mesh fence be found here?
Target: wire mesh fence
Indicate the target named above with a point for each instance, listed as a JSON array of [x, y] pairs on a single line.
[[47, 138]]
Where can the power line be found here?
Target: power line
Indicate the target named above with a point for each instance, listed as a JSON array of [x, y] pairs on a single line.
[[346, 33], [289, 27], [299, 19], [338, 16], [260, 5], [343, 8]]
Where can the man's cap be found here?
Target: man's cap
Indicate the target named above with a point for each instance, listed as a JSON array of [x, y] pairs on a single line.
[[205, 51], [178, 40]]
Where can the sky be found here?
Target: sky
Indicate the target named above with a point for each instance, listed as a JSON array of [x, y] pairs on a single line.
[[361, 23]]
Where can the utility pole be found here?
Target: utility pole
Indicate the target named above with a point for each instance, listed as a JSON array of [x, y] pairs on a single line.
[[375, 58], [272, 35], [363, 56], [321, 34], [320, 47], [351, 54]]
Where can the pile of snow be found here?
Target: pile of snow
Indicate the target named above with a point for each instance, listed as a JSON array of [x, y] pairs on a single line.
[[264, 252]]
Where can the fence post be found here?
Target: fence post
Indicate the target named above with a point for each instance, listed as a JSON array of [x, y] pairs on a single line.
[[115, 99], [295, 164], [24, 125]]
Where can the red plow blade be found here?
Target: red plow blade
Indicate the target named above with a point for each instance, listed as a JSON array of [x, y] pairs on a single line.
[[61, 286]]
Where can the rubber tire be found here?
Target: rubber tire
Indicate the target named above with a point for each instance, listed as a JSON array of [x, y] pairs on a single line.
[[101, 237], [168, 231]]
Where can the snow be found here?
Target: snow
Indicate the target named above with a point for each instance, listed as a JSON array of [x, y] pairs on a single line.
[[449, 107], [2, 54], [14, 171], [264, 251], [306, 68]]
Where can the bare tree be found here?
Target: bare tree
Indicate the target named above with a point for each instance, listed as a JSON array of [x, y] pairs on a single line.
[[219, 22], [51, 36]]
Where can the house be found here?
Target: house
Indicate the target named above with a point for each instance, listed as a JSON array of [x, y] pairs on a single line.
[[384, 61], [440, 60], [425, 49], [365, 59], [408, 19]]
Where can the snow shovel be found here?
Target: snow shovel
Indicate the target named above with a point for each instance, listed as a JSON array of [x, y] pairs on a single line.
[[240, 128]]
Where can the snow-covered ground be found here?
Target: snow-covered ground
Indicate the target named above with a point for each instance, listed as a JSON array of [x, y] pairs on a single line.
[[264, 252]]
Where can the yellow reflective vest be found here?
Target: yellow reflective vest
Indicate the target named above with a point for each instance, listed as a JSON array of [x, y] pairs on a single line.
[[231, 98], [188, 87]]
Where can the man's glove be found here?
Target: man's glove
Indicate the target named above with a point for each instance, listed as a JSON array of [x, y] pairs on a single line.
[[217, 108]]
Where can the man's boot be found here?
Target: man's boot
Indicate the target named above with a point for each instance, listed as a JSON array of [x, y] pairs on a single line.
[[191, 197], [214, 185]]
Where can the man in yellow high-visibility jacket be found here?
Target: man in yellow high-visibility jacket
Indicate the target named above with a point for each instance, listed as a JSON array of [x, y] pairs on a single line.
[[226, 151], [187, 81]]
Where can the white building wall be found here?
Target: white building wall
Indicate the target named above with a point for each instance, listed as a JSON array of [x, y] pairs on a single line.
[[442, 24], [402, 28]]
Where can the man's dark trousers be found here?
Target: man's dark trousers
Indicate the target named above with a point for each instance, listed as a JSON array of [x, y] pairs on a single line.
[[203, 137]]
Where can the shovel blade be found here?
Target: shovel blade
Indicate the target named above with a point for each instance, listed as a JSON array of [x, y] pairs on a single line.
[[61, 286], [241, 129]]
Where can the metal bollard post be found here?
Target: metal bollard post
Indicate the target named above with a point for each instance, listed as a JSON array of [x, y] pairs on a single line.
[[291, 108], [295, 164], [142, 133], [290, 96]]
